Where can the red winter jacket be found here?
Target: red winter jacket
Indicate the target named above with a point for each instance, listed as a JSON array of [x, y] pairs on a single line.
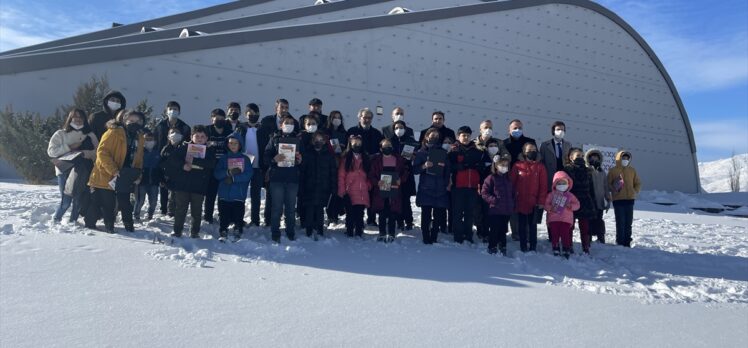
[[530, 184], [355, 184]]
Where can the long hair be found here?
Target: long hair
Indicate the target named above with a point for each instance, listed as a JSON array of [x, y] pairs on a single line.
[[425, 141], [329, 124], [348, 155], [66, 126]]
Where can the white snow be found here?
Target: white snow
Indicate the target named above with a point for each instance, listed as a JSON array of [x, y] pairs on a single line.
[[715, 175], [684, 283]]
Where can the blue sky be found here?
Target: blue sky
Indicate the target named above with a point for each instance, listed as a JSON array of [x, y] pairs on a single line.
[[703, 45]]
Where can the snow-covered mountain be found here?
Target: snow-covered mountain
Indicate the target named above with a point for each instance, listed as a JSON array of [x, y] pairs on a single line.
[[715, 175]]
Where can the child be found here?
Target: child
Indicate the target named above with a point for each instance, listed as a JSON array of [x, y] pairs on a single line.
[[354, 186], [530, 184], [387, 205], [150, 178], [560, 205], [233, 172], [600, 193], [167, 196], [190, 176], [582, 177], [624, 183], [283, 175], [498, 193], [465, 164], [433, 187], [319, 179]]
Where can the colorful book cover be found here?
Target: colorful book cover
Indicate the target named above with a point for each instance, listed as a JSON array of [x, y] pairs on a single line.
[[236, 163], [195, 151]]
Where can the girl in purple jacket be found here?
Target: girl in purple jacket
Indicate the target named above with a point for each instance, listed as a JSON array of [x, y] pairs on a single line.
[[498, 193]]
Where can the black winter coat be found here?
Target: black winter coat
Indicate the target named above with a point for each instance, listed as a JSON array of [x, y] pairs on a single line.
[[319, 176], [197, 179], [280, 174], [582, 189]]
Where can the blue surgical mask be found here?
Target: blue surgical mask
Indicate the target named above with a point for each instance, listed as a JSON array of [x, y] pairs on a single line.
[[516, 133]]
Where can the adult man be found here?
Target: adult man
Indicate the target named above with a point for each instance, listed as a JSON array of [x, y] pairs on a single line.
[[249, 132], [555, 151], [437, 121], [218, 133], [161, 132], [315, 106]]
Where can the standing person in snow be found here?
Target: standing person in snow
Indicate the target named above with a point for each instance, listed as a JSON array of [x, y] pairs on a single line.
[[561, 205], [625, 185], [217, 134], [251, 147], [601, 194], [388, 208], [498, 194], [437, 122], [465, 163], [492, 150], [189, 173], [120, 147], [582, 190], [370, 138], [306, 137], [150, 178], [112, 103], [433, 187], [354, 185], [162, 133], [233, 172], [515, 144], [400, 139], [555, 154], [75, 135], [175, 139], [319, 179], [335, 130], [529, 179], [283, 176]]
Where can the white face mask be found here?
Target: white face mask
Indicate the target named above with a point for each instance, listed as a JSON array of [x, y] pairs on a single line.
[[397, 118], [76, 126], [287, 128], [503, 170], [559, 134], [310, 128], [492, 150], [487, 133], [172, 114], [562, 187], [150, 144], [446, 146], [399, 132], [625, 163], [175, 138], [113, 105], [336, 122]]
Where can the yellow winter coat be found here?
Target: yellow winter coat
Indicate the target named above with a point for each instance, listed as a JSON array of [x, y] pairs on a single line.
[[110, 156], [631, 183]]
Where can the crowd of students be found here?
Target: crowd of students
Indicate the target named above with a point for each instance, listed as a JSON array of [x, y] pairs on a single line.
[[318, 170]]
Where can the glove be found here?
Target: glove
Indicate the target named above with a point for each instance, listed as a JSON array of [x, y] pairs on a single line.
[[228, 180], [234, 171]]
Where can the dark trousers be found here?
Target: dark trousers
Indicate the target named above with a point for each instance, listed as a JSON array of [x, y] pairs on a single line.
[[527, 231], [624, 210], [354, 219], [210, 199], [497, 226], [463, 203], [284, 203], [166, 200], [514, 225], [480, 212], [102, 206], [405, 218], [143, 192], [387, 220], [268, 211], [183, 200], [597, 226], [315, 218], [449, 215], [255, 194], [371, 216], [335, 207], [433, 220], [584, 233], [230, 212]]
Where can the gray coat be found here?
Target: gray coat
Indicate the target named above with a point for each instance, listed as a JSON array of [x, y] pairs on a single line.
[[600, 192], [548, 154]]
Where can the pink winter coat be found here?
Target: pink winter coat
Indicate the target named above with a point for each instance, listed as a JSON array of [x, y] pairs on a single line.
[[555, 213], [355, 183]]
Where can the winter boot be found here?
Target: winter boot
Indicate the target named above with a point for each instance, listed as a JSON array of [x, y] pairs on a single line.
[[556, 251], [493, 250]]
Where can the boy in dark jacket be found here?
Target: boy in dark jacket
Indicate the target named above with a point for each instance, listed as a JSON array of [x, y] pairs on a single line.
[[218, 132], [167, 190], [150, 178], [283, 175], [465, 163], [190, 172], [233, 172], [433, 186], [319, 179], [498, 193], [582, 189]]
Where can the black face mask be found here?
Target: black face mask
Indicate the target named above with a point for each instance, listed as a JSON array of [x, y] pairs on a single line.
[[532, 155], [387, 150], [132, 128], [234, 116], [319, 144], [220, 123], [356, 148], [595, 163], [579, 161], [253, 118]]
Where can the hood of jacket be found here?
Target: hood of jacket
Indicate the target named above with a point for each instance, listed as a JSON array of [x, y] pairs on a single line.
[[620, 154], [117, 94], [593, 151], [239, 138], [562, 175]]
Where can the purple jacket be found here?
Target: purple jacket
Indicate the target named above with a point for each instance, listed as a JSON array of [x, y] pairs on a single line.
[[497, 191]]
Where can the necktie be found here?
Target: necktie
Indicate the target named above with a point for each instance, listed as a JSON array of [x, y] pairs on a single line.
[[559, 151]]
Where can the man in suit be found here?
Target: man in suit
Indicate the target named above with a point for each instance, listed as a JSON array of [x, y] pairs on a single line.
[[555, 151], [398, 114]]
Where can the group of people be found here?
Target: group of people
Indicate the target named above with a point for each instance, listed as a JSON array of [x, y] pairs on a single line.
[[319, 170]]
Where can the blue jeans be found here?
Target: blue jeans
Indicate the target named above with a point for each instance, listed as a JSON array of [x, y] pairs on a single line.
[[151, 191], [283, 199], [66, 201]]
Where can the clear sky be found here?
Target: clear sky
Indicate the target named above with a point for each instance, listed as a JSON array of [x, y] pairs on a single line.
[[702, 43]]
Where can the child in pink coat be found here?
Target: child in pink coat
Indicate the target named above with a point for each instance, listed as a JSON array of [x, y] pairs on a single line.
[[560, 205]]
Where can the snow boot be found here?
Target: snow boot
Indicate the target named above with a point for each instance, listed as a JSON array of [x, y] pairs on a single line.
[[493, 250], [556, 251]]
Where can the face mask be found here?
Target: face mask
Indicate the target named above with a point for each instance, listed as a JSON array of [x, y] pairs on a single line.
[[311, 128], [503, 169], [356, 148], [172, 114], [219, 123], [318, 144], [492, 150], [625, 163], [579, 161], [516, 133], [595, 163], [113, 105], [397, 118], [175, 138], [562, 187], [387, 150], [336, 122], [487, 133], [559, 134], [253, 118], [234, 115], [76, 126], [150, 144], [446, 146], [287, 128], [399, 132], [532, 155], [132, 127]]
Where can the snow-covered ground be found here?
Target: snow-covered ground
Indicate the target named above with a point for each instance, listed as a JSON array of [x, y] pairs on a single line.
[[715, 175], [685, 283]]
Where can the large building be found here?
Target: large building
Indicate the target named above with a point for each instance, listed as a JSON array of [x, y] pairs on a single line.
[[535, 60]]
